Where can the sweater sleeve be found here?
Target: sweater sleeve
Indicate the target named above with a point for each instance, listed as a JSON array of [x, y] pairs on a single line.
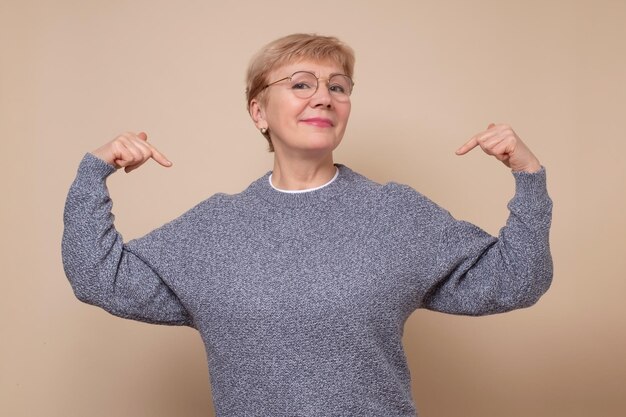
[[478, 274], [100, 267]]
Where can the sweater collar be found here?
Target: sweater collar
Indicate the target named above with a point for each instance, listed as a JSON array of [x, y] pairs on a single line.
[[264, 190], [308, 189]]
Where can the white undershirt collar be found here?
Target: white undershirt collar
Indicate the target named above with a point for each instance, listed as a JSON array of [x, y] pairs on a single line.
[[308, 189]]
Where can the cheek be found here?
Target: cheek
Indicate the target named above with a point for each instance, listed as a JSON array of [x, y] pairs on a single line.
[[345, 113], [285, 111]]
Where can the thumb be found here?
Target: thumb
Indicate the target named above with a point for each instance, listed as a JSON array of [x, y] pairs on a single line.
[[142, 135]]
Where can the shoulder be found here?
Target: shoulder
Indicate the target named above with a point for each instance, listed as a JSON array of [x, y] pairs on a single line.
[[401, 197], [399, 201], [200, 223], [215, 208], [404, 201], [222, 203]]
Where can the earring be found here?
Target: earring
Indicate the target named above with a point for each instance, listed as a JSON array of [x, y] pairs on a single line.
[[263, 130]]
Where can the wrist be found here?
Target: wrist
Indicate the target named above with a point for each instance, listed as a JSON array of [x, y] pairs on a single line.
[[104, 156], [529, 170]]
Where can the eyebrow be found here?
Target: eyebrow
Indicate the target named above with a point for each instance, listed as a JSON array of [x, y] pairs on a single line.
[[315, 73]]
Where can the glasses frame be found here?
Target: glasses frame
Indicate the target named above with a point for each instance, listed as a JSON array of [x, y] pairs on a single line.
[[317, 85]]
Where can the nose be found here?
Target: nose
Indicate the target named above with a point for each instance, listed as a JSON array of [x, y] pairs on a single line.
[[322, 97]]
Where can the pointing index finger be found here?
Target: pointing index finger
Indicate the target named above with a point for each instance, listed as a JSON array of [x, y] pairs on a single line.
[[473, 142], [160, 158], [156, 155], [468, 146]]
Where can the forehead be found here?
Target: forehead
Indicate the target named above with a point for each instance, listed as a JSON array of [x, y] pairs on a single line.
[[319, 68]]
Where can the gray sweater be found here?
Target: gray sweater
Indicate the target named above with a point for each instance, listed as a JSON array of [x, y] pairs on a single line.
[[301, 299]]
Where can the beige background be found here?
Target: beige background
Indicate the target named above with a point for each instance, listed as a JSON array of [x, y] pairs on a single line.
[[429, 74]]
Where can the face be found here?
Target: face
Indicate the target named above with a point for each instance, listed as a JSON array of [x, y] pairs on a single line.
[[302, 126]]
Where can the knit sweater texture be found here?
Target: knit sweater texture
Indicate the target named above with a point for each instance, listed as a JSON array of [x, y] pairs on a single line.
[[301, 299]]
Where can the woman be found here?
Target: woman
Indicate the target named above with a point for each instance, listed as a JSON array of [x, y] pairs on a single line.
[[301, 284]]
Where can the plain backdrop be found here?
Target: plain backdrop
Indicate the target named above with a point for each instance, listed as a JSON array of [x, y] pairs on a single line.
[[429, 74]]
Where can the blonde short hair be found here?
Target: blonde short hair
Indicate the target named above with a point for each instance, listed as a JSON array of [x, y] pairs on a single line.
[[294, 48]]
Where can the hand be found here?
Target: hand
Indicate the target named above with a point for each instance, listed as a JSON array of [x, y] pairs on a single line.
[[504, 144], [130, 151]]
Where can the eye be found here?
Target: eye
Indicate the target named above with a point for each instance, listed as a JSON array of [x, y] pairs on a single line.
[[337, 88], [340, 84], [301, 85]]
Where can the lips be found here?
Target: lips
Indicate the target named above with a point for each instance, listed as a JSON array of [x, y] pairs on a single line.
[[318, 121]]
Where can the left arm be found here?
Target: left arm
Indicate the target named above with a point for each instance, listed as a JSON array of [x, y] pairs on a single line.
[[477, 274]]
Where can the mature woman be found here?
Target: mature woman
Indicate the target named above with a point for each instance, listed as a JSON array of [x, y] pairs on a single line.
[[301, 284]]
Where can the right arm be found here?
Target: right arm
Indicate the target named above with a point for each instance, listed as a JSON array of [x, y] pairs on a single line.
[[99, 266]]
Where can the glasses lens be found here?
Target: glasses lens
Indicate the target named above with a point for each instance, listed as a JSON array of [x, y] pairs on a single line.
[[303, 84], [340, 86]]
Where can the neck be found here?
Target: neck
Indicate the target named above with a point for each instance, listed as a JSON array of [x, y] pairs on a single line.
[[302, 173]]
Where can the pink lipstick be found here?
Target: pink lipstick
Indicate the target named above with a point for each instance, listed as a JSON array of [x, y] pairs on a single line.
[[319, 122]]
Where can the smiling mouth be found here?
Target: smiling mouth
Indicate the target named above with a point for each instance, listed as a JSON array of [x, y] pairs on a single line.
[[318, 121]]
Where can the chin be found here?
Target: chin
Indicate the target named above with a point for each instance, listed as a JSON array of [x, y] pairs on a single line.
[[322, 144], [316, 143]]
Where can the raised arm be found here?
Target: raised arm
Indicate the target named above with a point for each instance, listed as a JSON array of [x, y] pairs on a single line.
[[99, 266], [477, 274]]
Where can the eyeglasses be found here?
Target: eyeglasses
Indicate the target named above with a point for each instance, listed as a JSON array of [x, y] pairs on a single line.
[[304, 84]]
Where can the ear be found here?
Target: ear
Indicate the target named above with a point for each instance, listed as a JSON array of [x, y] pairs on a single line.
[[257, 113]]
